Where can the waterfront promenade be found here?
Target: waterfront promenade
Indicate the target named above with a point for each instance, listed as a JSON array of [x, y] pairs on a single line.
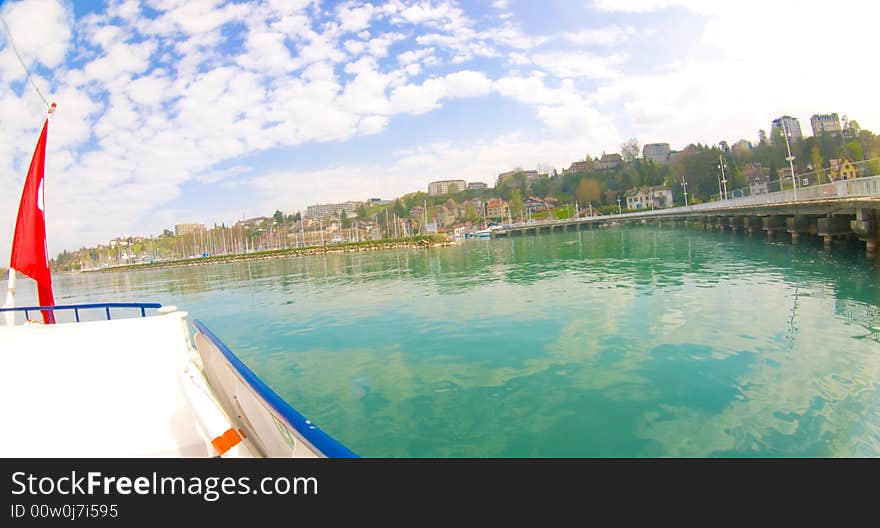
[[839, 209]]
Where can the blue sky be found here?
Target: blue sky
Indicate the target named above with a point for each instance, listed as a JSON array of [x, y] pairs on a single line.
[[204, 110]]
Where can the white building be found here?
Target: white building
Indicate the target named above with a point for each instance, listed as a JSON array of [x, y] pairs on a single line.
[[438, 188], [335, 210], [792, 127], [649, 198], [829, 123]]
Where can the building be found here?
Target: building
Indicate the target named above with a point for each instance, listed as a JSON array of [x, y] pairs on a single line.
[[497, 208], [442, 187], [825, 123], [529, 176], [533, 204], [843, 169], [333, 210], [186, 229], [579, 167], [416, 212], [757, 177], [609, 162], [446, 215], [477, 186], [792, 127], [657, 153], [649, 198], [785, 175], [257, 221]]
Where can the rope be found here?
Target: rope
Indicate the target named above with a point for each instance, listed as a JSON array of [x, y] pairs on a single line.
[[27, 71]]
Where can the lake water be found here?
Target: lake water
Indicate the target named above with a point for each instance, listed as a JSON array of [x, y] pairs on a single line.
[[642, 341]]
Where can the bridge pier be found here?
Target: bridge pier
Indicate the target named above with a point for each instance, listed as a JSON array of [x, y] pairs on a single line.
[[797, 225], [735, 222], [865, 227], [772, 225], [832, 226], [751, 224]]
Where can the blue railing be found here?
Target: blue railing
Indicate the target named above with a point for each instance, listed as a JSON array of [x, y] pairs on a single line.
[[322, 441], [77, 307]]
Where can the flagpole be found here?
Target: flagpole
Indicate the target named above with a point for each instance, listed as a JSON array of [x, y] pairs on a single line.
[[48, 315], [10, 298]]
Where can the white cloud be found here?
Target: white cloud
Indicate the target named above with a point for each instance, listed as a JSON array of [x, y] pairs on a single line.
[[355, 18], [42, 34], [568, 65], [607, 36], [418, 99]]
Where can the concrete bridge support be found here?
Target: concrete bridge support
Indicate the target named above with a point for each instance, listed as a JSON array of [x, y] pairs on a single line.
[[735, 222], [773, 225], [796, 226], [833, 226], [751, 224], [865, 227]]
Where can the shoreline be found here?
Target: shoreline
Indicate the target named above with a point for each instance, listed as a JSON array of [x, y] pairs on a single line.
[[424, 242]]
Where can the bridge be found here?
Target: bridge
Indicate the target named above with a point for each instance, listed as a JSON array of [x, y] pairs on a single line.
[[836, 210]]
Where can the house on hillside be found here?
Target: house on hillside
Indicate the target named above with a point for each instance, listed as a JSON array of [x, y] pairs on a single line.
[[497, 208], [649, 198], [533, 204], [843, 169], [609, 162], [578, 167], [757, 177]]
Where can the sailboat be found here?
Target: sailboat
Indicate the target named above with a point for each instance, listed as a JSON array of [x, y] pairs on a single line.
[[128, 387]]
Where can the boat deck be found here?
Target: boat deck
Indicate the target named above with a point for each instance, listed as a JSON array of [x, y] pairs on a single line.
[[102, 389]]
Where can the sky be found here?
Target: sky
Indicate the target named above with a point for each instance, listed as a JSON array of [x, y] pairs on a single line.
[[174, 111]]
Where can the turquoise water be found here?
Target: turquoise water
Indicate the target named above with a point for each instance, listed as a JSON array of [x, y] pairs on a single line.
[[647, 341]]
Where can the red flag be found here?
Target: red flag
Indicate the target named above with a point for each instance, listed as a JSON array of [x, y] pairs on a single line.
[[29, 253]]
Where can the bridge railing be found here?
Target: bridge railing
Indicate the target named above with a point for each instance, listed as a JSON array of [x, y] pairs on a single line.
[[858, 187]]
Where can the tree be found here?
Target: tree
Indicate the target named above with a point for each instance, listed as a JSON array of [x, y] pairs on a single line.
[[855, 150], [630, 150], [278, 216], [762, 137], [344, 220], [471, 214], [400, 209], [516, 203], [816, 158], [588, 190]]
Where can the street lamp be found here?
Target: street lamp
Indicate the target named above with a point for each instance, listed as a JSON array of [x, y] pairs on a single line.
[[684, 184], [790, 159], [723, 177], [619, 210]]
